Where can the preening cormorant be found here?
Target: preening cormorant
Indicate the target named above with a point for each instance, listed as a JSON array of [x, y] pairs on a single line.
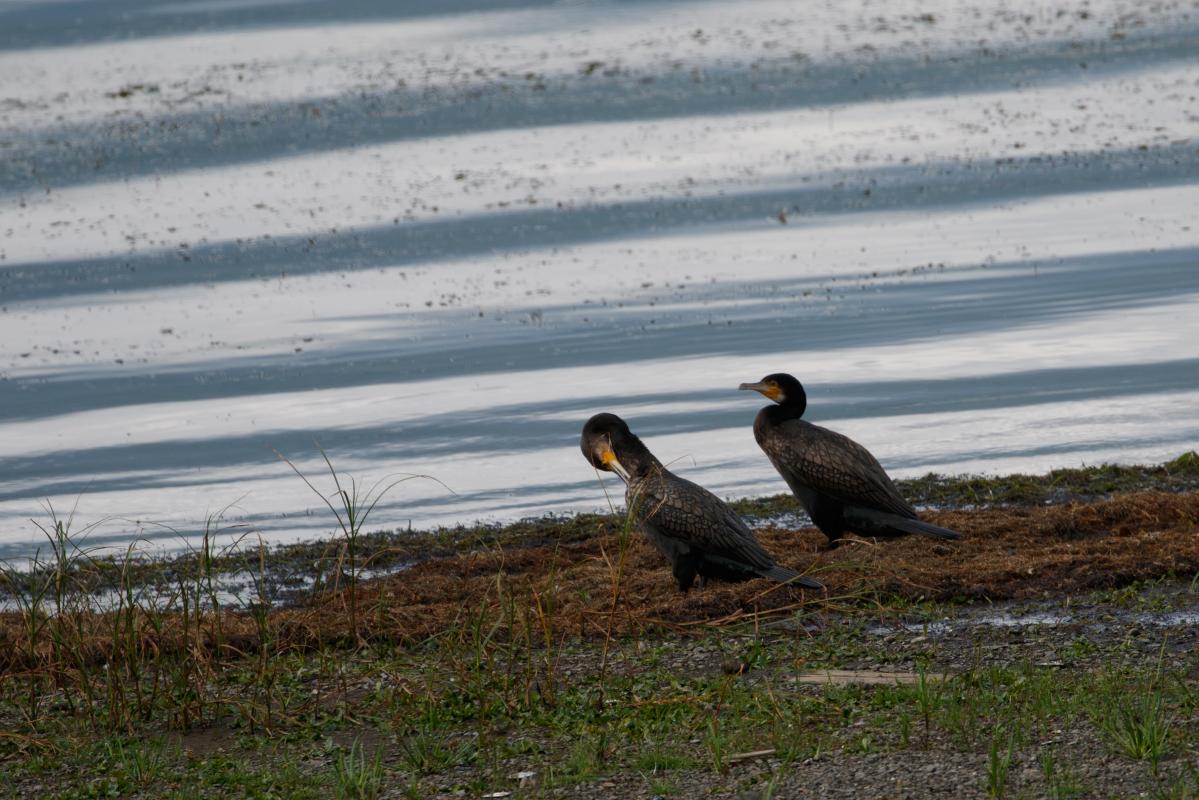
[[842, 487], [688, 524]]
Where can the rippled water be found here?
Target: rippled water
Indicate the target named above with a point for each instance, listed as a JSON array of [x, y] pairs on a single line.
[[434, 240]]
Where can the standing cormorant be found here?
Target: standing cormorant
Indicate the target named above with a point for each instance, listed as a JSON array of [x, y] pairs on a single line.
[[842, 487], [688, 524]]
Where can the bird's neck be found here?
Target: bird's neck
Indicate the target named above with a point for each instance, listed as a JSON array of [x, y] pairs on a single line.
[[792, 407], [637, 459]]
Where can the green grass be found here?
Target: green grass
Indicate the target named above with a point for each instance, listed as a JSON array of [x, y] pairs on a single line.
[[429, 750], [657, 722], [1181, 787], [999, 763], [1138, 725], [1061, 782], [357, 776]]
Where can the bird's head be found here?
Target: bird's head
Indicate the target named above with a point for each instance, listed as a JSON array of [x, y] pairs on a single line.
[[779, 387], [604, 436]]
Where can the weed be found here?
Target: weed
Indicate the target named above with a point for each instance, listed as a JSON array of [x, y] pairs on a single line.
[[585, 759], [929, 694], [1138, 725], [715, 744], [1061, 782], [905, 730], [863, 744], [356, 504], [45, 600], [769, 791], [616, 572], [1178, 789], [1080, 649], [426, 752], [357, 777], [137, 763], [659, 785], [659, 759], [999, 763], [413, 790]]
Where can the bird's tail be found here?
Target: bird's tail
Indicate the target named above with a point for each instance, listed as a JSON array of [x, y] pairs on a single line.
[[907, 525], [784, 575]]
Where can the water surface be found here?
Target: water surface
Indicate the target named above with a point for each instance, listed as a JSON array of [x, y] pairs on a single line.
[[434, 240]]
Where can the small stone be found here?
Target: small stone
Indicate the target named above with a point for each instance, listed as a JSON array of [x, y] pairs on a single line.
[[731, 665]]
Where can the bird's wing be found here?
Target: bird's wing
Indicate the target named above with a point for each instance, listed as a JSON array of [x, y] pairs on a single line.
[[682, 510], [834, 465]]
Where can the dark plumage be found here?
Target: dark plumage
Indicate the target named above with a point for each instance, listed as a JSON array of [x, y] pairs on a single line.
[[686, 523], [842, 487]]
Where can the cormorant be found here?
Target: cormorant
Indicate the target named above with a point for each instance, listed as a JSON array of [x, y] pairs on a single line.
[[688, 524], [842, 487]]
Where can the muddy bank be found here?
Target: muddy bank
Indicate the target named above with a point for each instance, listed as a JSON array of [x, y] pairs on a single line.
[[604, 580]]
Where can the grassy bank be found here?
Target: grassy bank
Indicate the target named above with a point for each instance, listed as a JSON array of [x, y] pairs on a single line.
[[718, 714], [554, 658]]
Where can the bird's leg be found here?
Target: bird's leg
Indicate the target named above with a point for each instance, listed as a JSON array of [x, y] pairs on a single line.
[[685, 568], [703, 582]]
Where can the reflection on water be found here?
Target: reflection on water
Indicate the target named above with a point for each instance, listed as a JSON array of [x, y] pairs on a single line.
[[431, 259]]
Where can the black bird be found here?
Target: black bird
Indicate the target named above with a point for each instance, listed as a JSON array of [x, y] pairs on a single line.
[[688, 524], [842, 487]]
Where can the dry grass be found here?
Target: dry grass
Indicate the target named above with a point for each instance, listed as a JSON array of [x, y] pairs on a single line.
[[550, 590], [1004, 553]]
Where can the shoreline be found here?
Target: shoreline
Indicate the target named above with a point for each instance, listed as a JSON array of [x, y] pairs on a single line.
[[297, 572]]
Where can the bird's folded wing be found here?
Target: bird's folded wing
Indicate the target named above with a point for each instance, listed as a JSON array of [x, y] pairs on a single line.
[[835, 465], [682, 510]]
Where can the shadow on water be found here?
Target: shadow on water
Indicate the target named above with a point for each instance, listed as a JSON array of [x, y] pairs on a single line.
[[314, 523], [907, 187], [55, 23], [960, 301], [64, 156]]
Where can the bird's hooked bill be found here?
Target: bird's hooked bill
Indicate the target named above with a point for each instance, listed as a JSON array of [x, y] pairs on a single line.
[[768, 389], [612, 462]]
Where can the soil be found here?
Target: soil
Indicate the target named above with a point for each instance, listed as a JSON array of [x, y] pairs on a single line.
[[1153, 625]]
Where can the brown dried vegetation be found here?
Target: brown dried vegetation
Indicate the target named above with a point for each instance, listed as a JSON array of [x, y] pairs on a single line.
[[549, 590], [1004, 553]]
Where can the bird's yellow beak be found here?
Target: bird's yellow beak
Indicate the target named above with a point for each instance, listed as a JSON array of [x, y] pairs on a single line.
[[771, 391], [613, 463]]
